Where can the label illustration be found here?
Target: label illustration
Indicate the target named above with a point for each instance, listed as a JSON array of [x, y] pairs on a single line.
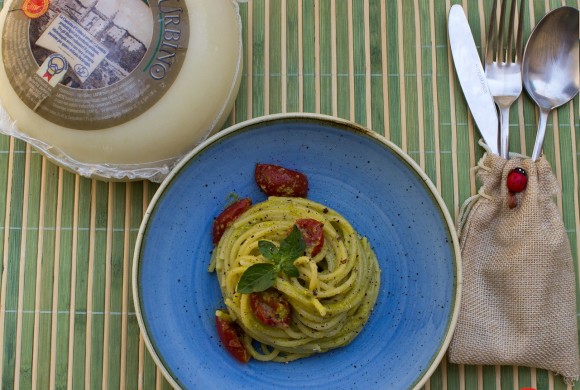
[[53, 69], [94, 64], [35, 8]]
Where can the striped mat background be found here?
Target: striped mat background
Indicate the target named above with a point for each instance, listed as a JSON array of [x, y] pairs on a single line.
[[67, 320]]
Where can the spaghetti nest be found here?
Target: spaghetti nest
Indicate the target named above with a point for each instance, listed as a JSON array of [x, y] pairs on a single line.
[[331, 299]]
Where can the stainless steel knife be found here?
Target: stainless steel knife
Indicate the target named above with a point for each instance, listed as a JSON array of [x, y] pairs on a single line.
[[472, 77]]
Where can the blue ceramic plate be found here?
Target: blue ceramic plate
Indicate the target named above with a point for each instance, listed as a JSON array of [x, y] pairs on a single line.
[[379, 189]]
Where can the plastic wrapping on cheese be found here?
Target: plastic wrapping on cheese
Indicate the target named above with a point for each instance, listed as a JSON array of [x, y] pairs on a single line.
[[118, 89]]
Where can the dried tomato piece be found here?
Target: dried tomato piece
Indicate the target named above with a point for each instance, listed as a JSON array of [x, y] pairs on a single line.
[[229, 215], [275, 180], [312, 232], [230, 335], [271, 308]]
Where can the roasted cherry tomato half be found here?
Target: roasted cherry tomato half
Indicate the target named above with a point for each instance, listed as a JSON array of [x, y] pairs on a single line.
[[271, 308], [231, 335], [229, 215], [312, 232], [275, 180]]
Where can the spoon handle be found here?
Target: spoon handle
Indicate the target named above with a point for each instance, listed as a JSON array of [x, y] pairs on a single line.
[[541, 133]]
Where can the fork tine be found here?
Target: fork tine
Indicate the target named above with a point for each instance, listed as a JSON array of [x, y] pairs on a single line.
[[510, 38], [519, 39], [500, 51], [491, 39]]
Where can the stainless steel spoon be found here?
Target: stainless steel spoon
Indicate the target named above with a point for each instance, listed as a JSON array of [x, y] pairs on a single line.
[[550, 69]]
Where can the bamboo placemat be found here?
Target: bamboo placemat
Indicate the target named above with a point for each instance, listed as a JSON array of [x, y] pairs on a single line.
[[67, 318]]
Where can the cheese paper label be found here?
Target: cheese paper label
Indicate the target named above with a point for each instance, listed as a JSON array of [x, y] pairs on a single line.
[[81, 50], [120, 57]]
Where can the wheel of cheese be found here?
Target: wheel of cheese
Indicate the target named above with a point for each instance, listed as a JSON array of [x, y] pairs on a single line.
[[118, 90]]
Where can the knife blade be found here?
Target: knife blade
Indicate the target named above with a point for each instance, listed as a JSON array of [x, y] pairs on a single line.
[[472, 77]]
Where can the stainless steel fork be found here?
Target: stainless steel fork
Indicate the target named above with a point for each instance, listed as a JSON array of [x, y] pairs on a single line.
[[503, 65]]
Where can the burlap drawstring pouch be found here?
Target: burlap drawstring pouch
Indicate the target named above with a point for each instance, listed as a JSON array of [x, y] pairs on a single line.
[[518, 304]]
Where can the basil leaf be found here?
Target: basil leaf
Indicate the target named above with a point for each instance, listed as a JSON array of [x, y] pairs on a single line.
[[262, 276], [268, 250], [290, 269], [292, 246], [256, 278]]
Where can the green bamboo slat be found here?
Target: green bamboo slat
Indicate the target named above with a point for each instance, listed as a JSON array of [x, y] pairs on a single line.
[[428, 74], [419, 106], [240, 110], [29, 265], [77, 360], [566, 154], [448, 376], [6, 158], [27, 273], [258, 58], [277, 75], [574, 234], [244, 99], [408, 78], [309, 55], [396, 50], [12, 265], [444, 80], [4, 165], [119, 371], [342, 49], [5, 180], [292, 57], [524, 376], [115, 273], [325, 92], [45, 274], [575, 122], [150, 372], [392, 72], [67, 183], [358, 94], [95, 285], [543, 379], [507, 377], [71, 304], [376, 68], [131, 352]]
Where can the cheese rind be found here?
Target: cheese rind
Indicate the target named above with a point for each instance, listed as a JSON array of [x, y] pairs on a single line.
[[188, 107]]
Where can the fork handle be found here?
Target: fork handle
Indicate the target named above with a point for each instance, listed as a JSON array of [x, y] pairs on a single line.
[[504, 134]]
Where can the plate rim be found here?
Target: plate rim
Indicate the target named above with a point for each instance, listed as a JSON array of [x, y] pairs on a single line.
[[306, 116]]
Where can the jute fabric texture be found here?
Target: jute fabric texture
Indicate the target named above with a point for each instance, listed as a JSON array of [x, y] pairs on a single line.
[[518, 303]]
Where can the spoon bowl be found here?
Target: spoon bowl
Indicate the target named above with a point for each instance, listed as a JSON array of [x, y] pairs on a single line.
[[550, 65]]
